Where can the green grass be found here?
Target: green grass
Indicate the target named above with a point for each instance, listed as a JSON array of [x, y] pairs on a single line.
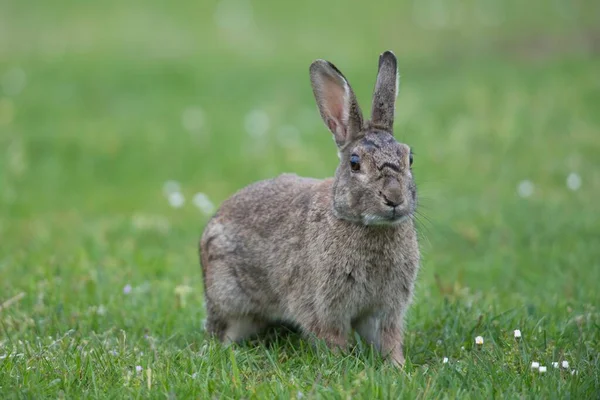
[[492, 94]]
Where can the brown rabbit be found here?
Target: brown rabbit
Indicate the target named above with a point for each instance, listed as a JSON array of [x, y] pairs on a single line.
[[327, 255]]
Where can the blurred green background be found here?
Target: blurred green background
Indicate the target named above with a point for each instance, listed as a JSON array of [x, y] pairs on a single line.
[[102, 104]]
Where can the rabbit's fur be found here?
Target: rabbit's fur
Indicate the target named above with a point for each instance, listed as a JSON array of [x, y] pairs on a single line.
[[327, 255]]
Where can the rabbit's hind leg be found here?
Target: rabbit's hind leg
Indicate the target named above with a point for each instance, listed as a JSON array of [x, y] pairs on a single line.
[[232, 328], [242, 327], [215, 324]]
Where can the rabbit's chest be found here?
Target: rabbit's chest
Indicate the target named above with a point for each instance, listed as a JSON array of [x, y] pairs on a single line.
[[372, 281], [359, 271]]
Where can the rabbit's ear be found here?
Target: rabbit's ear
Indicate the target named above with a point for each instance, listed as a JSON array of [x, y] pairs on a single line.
[[337, 103], [386, 90]]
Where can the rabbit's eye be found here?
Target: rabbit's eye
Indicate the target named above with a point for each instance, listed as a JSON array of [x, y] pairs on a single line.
[[355, 162], [410, 158]]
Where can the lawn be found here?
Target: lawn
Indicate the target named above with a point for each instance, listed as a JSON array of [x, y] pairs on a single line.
[[106, 108]]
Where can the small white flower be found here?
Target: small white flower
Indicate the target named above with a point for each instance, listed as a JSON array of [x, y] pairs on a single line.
[[535, 365], [555, 364], [565, 364], [138, 368], [479, 340], [257, 123], [542, 369], [573, 181], [517, 333], [171, 186], [525, 188], [127, 289], [176, 199], [203, 203], [445, 360]]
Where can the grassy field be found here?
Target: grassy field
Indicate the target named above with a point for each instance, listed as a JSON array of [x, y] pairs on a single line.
[[101, 104]]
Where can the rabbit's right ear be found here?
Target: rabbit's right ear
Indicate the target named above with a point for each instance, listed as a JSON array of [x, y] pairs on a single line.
[[337, 103]]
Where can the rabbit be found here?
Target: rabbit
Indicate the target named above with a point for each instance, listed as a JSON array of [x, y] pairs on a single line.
[[331, 255]]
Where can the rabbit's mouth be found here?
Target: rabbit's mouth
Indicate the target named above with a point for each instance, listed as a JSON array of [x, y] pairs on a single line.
[[395, 217]]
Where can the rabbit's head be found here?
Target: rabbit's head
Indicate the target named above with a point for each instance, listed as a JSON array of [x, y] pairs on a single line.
[[373, 183]]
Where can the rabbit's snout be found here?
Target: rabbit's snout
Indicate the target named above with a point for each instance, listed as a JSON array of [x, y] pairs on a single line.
[[392, 193]]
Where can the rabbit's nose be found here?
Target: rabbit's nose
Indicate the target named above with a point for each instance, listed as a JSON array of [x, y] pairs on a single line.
[[393, 199], [392, 193]]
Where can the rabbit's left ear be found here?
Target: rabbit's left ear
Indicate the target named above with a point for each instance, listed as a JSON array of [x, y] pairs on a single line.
[[386, 91], [336, 101]]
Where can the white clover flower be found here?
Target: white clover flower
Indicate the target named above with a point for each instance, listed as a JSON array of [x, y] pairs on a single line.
[[101, 310], [525, 188], [479, 340], [517, 333], [203, 203], [445, 360], [535, 365], [171, 186], [555, 364], [138, 368], [257, 123], [573, 181], [542, 369], [565, 364], [176, 199]]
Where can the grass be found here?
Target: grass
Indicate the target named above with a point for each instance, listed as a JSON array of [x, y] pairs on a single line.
[[91, 105]]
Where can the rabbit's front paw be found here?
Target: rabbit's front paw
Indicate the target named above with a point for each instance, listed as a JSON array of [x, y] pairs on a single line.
[[335, 339]]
